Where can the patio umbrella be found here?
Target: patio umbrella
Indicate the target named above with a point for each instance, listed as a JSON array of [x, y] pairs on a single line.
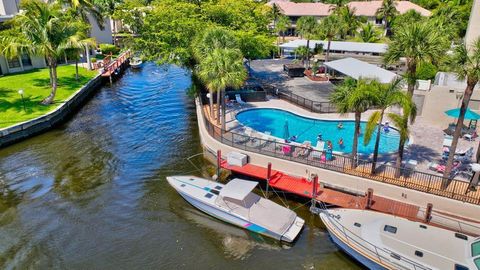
[[286, 133], [469, 114]]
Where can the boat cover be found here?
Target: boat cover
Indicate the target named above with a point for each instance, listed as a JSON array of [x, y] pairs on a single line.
[[238, 189]]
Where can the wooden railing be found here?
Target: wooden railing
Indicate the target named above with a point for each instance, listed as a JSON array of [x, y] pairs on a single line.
[[403, 177]]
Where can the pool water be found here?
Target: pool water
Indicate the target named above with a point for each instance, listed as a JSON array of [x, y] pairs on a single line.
[[307, 129]]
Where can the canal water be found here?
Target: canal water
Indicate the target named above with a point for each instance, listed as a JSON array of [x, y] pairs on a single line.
[[91, 194]]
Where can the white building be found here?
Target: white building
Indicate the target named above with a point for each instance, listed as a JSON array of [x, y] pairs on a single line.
[[9, 8]]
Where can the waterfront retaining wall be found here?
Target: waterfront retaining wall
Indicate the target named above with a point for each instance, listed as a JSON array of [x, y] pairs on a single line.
[[349, 183], [27, 129]]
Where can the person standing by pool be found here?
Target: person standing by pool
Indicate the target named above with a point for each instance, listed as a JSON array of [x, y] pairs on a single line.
[[329, 152]]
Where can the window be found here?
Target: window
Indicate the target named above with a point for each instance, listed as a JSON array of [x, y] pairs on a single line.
[[218, 187], [461, 236], [356, 224], [476, 249], [208, 195], [182, 185], [26, 61], [461, 267], [423, 226], [477, 263], [14, 63], [390, 229], [378, 20], [418, 253]]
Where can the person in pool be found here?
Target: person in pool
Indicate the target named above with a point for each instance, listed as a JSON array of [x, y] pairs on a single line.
[[340, 125], [319, 137], [386, 127], [340, 143]]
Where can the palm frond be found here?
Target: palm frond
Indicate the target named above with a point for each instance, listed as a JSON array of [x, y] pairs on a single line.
[[372, 124]]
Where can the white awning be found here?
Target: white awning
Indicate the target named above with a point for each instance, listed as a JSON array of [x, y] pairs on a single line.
[[238, 189], [358, 69], [341, 46]]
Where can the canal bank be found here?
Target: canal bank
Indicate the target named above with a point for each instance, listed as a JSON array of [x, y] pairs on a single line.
[[66, 109], [91, 192]]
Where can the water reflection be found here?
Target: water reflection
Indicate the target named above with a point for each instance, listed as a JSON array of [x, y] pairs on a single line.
[[91, 194]]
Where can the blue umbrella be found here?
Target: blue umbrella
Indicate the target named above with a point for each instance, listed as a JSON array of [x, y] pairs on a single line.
[[286, 133], [469, 114]]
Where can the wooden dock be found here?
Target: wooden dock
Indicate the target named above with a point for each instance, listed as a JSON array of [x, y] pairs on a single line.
[[302, 187], [111, 67]]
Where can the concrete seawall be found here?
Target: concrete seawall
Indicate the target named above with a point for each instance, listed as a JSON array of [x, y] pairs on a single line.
[[345, 182]]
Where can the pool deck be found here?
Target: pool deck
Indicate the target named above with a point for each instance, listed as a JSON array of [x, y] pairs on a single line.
[[426, 139]]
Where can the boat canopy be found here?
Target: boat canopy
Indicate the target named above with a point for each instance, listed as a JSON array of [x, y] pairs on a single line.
[[238, 189]]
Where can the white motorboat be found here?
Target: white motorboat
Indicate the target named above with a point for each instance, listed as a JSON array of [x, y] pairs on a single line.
[[235, 203], [382, 241], [136, 62]]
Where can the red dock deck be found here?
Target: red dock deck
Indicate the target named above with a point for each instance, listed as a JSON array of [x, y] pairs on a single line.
[[301, 187]]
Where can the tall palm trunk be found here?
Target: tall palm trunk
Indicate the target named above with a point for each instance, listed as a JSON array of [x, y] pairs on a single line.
[[87, 54], [283, 36], [278, 45], [377, 143], [53, 64], [224, 115], [219, 99], [76, 69], [458, 129], [401, 150], [358, 117], [411, 76], [212, 115], [328, 53], [50, 74], [308, 53]]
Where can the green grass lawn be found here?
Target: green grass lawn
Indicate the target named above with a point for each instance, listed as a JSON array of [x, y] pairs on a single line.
[[36, 86]]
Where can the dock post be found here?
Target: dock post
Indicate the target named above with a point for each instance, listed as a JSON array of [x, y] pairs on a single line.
[[269, 175], [219, 162], [428, 213], [315, 188], [369, 198]]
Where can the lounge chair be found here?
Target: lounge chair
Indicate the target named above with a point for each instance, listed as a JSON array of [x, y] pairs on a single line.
[[440, 168], [286, 150], [464, 156], [470, 136], [318, 149], [447, 141], [239, 100], [303, 150]]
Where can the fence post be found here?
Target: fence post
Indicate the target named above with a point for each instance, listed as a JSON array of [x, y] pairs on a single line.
[[428, 213], [369, 198], [219, 162]]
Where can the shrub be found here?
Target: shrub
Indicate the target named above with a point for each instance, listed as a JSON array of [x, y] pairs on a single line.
[[109, 48], [426, 71]]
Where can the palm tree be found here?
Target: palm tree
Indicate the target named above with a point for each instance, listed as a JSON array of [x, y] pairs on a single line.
[[417, 42], [368, 33], [79, 44], [275, 12], [307, 27], [329, 29], [350, 22], [82, 9], [283, 23], [41, 30], [400, 121], [386, 96], [466, 63], [387, 12], [302, 52], [221, 69], [353, 96], [204, 45]]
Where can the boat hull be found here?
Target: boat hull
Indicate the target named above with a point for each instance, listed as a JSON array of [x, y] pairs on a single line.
[[354, 254]]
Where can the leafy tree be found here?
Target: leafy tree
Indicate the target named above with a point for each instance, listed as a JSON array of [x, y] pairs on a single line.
[[426, 71], [353, 96], [42, 29], [349, 21], [329, 29], [417, 42], [466, 63], [254, 46], [307, 27], [385, 96], [303, 52], [283, 23], [387, 12], [221, 69], [204, 45], [368, 33], [400, 121]]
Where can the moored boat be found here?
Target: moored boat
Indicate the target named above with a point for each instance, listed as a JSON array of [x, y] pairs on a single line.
[[235, 203], [382, 241], [136, 62]]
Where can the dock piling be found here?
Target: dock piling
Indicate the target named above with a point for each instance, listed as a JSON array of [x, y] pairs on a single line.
[[219, 162], [369, 198], [428, 213]]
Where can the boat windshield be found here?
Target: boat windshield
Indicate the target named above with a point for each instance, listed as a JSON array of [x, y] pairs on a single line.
[[477, 263], [476, 249]]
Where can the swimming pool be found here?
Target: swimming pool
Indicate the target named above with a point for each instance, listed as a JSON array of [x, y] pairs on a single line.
[[307, 129]]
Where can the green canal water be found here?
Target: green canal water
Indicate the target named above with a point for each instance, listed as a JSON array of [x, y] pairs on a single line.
[[91, 194]]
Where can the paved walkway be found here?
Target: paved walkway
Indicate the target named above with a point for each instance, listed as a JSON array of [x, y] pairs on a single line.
[[271, 72]]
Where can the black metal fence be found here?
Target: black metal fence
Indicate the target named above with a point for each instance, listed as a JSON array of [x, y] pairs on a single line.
[[403, 177], [313, 106]]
